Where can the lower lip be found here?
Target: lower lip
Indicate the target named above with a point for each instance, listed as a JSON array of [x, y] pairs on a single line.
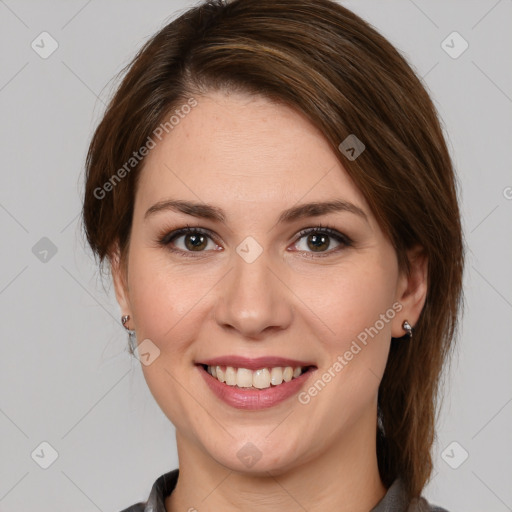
[[241, 398]]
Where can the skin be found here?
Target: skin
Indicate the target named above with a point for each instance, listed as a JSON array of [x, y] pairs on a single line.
[[254, 159]]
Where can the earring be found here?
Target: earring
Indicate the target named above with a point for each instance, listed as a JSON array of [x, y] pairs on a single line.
[[406, 326], [132, 339], [125, 319]]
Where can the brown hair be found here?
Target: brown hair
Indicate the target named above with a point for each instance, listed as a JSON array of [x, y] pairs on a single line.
[[324, 61]]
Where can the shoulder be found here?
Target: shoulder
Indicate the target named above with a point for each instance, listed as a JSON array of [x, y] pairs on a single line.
[[138, 507], [422, 505], [162, 487]]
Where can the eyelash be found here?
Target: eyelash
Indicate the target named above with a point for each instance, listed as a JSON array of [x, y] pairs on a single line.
[[168, 237]]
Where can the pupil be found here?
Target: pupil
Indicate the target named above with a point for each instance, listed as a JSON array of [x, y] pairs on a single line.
[[196, 241], [318, 238]]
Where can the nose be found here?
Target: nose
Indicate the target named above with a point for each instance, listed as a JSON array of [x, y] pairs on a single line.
[[253, 299]]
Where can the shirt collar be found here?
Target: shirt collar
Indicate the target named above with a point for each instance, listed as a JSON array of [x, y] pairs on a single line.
[[395, 499]]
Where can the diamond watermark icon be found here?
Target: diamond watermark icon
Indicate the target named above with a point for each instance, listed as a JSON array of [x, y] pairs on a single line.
[[44, 250], [44, 455], [454, 45], [351, 147], [147, 352], [249, 454], [249, 249], [44, 45], [454, 455]]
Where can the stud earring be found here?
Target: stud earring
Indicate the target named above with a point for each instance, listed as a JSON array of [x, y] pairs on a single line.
[[125, 319], [406, 326], [132, 338]]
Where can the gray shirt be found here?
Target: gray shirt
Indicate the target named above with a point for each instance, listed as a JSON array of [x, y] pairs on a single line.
[[395, 499]]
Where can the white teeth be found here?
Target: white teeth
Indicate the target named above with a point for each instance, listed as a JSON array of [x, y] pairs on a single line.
[[231, 376], [260, 379], [288, 374], [276, 376], [220, 374], [244, 378]]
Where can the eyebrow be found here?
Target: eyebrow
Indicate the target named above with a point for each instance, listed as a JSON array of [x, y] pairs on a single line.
[[206, 211]]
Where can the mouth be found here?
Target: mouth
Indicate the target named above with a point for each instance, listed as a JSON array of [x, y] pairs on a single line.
[[261, 378], [255, 383]]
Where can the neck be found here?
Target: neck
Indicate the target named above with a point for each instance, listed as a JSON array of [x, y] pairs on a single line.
[[343, 478]]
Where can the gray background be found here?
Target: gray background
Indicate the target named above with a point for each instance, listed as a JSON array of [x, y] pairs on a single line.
[[66, 376]]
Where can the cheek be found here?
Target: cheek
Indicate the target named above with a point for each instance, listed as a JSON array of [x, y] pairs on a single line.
[[353, 300], [160, 304], [357, 308], [168, 300]]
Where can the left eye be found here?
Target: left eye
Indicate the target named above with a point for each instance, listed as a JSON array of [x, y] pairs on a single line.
[[317, 240]]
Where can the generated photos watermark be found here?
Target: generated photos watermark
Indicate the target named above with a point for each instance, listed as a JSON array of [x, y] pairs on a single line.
[[137, 156], [343, 360]]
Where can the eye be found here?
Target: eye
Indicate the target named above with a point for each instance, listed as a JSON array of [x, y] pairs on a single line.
[[193, 240], [319, 239]]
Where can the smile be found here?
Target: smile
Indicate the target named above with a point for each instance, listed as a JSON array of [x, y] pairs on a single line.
[[266, 383], [262, 378]]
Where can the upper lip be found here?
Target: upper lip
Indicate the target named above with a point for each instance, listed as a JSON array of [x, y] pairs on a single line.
[[254, 364]]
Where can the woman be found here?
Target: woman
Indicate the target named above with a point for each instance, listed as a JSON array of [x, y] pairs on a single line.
[[272, 192]]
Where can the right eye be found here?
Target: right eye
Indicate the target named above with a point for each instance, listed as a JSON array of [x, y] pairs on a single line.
[[193, 240]]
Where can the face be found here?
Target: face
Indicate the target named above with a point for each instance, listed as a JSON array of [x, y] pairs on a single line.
[[260, 288]]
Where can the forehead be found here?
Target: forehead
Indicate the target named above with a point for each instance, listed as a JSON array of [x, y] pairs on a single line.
[[240, 148]]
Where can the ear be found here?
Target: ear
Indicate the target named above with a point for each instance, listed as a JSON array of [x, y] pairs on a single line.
[[120, 278], [411, 290]]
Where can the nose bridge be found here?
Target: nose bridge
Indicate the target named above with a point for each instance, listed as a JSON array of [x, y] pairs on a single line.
[[252, 298]]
